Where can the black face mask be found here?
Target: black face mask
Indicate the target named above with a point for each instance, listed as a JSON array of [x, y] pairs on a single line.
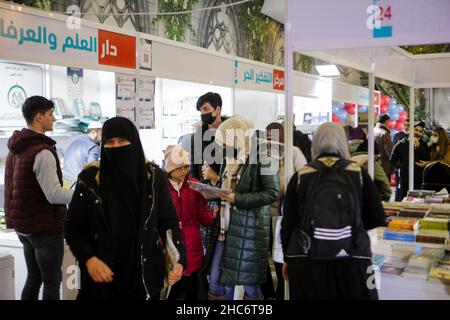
[[208, 118], [119, 157]]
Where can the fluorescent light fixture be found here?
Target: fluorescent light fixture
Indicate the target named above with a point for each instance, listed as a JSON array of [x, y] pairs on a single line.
[[328, 70]]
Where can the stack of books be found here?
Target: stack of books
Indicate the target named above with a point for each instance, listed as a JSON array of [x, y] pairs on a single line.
[[392, 209], [414, 211], [418, 267]]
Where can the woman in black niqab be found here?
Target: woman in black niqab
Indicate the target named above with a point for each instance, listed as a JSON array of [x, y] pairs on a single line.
[[123, 189]]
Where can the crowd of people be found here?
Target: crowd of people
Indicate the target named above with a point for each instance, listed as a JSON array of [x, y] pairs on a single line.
[[124, 210]]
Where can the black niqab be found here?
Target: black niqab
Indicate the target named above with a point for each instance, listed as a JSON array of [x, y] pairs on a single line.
[[123, 189]]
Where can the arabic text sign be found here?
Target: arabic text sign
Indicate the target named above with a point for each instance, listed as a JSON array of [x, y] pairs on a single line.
[[278, 79], [248, 76], [52, 38], [20, 31], [116, 49], [324, 24]]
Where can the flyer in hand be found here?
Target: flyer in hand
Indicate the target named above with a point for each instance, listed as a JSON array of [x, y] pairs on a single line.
[[213, 191]]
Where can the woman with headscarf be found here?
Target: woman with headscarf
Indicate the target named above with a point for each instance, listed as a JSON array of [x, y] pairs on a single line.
[[275, 147], [316, 263], [117, 219], [242, 243]]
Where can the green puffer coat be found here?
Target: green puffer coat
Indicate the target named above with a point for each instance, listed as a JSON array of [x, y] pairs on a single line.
[[244, 260]]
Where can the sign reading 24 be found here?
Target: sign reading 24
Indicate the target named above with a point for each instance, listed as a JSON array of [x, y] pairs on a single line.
[[380, 19]]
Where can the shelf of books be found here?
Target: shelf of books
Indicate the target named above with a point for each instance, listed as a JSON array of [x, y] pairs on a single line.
[[413, 251]]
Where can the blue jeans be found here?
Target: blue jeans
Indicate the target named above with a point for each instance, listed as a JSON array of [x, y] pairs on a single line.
[[217, 289], [43, 257]]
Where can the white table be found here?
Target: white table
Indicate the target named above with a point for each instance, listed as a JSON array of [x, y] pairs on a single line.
[[393, 287]]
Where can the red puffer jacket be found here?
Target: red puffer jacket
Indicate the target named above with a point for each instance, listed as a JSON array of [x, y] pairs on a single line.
[[192, 210]]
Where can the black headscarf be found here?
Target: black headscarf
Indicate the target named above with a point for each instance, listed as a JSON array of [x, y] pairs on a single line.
[[123, 189]]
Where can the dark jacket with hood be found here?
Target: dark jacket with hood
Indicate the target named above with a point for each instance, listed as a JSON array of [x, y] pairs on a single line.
[[199, 142], [400, 159], [120, 212], [26, 207]]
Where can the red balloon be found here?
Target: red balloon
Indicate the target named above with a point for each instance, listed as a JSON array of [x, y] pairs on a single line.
[[384, 108], [400, 126], [350, 108], [335, 118], [403, 116], [393, 180], [385, 100], [391, 124]]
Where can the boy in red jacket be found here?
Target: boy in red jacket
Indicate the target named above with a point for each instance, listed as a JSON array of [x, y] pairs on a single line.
[[192, 211]]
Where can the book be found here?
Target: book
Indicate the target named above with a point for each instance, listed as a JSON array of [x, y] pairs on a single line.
[[420, 193], [440, 271], [210, 190], [415, 273], [420, 262], [172, 255], [399, 224], [435, 223], [392, 269], [434, 254], [399, 236]]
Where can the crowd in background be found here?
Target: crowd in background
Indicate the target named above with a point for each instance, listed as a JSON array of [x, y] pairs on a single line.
[[124, 212]]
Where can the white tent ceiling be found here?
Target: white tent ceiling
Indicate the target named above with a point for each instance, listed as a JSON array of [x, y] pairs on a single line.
[[391, 63]]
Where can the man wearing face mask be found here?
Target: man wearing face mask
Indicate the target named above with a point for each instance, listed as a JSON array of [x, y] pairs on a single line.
[[202, 141], [118, 219], [400, 160]]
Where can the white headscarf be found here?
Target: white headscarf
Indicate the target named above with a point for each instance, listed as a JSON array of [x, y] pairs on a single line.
[[330, 138]]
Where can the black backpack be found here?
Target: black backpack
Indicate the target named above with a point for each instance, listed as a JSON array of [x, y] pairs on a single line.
[[331, 226]]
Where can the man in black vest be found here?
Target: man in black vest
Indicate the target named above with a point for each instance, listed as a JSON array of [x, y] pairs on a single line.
[[35, 200]]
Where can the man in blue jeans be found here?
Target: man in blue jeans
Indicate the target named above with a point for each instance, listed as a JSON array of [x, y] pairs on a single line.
[[35, 201]]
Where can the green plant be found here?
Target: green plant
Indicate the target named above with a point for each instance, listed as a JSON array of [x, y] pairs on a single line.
[[175, 24], [427, 49], [41, 4], [304, 63], [257, 26], [401, 93]]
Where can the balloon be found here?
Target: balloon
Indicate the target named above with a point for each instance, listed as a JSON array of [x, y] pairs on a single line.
[[342, 116], [363, 109], [385, 100], [335, 109], [391, 124], [400, 107], [350, 108], [375, 112], [400, 126], [392, 106], [394, 132], [393, 180], [403, 116], [384, 108], [335, 118], [395, 116]]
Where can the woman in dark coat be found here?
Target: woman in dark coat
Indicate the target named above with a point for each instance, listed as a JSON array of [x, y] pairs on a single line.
[[118, 218], [338, 277], [241, 247]]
